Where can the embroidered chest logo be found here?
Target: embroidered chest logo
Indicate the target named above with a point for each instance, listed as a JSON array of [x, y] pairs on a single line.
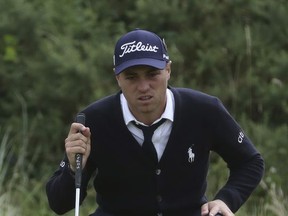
[[191, 155]]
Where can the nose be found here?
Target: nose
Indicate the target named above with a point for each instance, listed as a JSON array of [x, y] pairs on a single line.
[[143, 85]]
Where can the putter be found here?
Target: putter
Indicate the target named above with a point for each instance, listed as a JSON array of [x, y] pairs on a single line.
[[80, 118]]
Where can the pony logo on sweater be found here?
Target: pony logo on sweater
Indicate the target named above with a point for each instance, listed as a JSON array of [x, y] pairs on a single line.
[[191, 155]]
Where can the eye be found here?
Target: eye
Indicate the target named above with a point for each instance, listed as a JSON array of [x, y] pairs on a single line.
[[153, 73], [130, 76]]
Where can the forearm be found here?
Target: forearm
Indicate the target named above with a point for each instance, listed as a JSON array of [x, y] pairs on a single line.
[[241, 183], [60, 191], [60, 188]]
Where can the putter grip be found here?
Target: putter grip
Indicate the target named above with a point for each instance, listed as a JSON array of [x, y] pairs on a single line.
[[80, 118]]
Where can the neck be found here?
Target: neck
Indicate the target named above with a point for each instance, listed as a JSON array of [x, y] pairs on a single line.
[[147, 120], [149, 117]]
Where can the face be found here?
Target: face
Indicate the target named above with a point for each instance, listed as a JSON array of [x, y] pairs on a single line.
[[144, 88]]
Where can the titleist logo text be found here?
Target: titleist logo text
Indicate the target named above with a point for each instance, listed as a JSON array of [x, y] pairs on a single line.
[[137, 47]]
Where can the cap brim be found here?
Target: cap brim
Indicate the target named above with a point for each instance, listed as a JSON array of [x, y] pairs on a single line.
[[159, 64]]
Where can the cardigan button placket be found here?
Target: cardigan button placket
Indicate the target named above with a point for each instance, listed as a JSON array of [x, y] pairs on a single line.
[[158, 171], [159, 198]]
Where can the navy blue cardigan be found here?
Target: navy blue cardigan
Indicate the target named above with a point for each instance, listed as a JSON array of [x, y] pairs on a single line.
[[127, 183]]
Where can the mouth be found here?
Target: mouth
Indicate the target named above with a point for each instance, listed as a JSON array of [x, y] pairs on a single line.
[[145, 98]]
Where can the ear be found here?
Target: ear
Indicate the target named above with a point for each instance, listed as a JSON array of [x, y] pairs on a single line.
[[168, 69], [118, 80]]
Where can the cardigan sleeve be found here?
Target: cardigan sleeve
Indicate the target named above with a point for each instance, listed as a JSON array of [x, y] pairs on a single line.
[[245, 163], [60, 188]]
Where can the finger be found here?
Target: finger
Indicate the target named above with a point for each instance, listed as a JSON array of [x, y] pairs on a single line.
[[72, 151], [204, 209], [70, 140], [76, 127], [86, 132], [76, 142], [214, 210]]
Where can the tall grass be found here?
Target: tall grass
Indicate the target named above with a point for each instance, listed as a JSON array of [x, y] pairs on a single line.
[[272, 203], [20, 194], [278, 204], [6, 199]]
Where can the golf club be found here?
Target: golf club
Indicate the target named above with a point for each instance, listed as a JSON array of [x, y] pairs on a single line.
[[80, 118]]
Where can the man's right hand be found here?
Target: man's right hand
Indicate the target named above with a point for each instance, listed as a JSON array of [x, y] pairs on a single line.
[[78, 141]]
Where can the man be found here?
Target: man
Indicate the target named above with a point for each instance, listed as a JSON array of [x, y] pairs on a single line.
[[167, 177]]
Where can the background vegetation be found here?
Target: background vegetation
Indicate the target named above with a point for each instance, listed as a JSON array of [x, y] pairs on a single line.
[[56, 57]]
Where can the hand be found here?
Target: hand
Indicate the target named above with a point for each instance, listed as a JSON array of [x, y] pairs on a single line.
[[214, 207], [77, 142]]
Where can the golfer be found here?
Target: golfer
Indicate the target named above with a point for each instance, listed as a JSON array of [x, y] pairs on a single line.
[[147, 146]]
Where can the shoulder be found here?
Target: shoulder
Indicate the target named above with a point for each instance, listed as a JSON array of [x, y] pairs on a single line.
[[103, 108], [193, 101], [103, 103], [191, 96]]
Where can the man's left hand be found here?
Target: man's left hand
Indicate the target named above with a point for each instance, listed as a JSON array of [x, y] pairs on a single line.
[[216, 207]]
